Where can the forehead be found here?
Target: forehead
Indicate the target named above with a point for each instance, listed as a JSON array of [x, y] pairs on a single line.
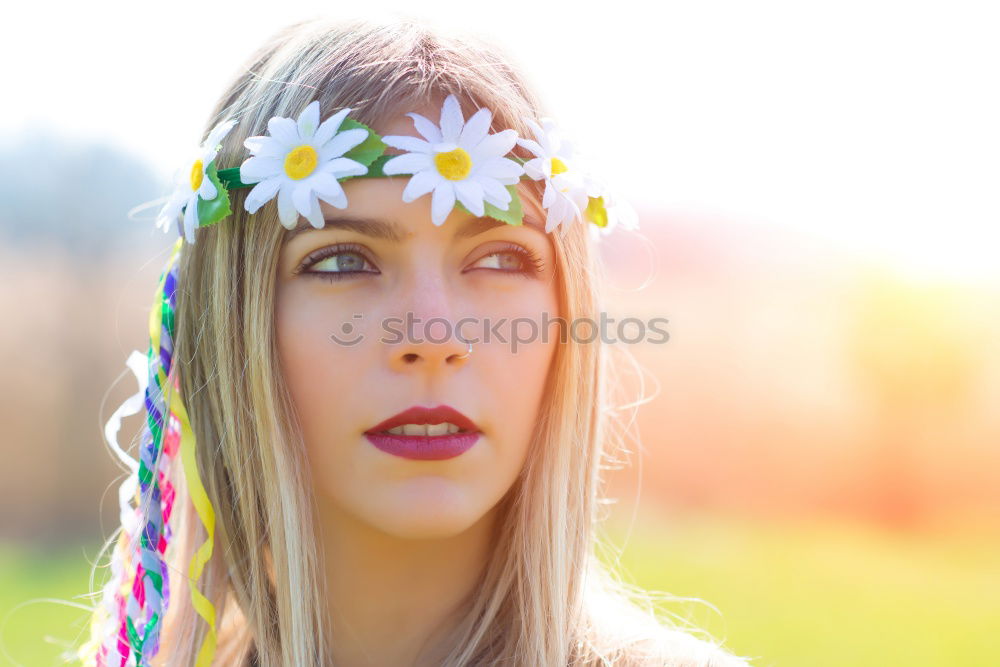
[[397, 122], [380, 201]]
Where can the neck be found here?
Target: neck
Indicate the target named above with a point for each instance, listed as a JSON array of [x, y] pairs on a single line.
[[394, 600]]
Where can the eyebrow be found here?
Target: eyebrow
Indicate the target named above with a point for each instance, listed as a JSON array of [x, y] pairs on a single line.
[[392, 231]]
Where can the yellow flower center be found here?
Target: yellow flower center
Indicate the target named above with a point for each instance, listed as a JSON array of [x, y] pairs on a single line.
[[453, 165], [558, 166], [300, 162], [197, 175], [596, 211]]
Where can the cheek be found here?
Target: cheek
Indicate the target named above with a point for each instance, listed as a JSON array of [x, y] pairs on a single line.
[[516, 385], [513, 374], [314, 367]]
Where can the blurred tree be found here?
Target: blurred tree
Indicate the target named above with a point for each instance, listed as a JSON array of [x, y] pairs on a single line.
[[72, 193], [70, 261]]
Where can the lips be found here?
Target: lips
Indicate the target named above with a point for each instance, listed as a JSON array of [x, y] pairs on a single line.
[[425, 434], [442, 414]]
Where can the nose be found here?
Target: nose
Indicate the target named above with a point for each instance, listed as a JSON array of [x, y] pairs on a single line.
[[450, 353], [432, 337]]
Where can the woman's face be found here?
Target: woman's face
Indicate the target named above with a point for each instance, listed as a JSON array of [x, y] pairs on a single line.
[[358, 344]]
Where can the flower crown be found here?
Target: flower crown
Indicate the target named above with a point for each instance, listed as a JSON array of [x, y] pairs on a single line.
[[303, 161]]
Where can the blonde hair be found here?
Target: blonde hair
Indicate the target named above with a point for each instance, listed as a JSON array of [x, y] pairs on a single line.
[[544, 598]]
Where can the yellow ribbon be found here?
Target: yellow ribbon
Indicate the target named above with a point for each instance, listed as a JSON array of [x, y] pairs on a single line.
[[206, 513]]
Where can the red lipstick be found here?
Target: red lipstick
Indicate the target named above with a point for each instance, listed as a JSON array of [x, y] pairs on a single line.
[[426, 434]]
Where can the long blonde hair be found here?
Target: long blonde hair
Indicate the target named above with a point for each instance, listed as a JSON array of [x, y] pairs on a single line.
[[544, 598]]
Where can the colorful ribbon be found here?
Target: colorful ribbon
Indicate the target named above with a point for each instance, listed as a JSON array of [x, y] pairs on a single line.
[[126, 627]]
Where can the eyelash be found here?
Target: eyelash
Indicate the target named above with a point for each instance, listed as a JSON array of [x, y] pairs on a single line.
[[533, 264], [318, 256]]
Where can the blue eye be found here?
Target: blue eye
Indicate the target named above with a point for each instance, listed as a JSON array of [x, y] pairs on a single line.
[[338, 263]]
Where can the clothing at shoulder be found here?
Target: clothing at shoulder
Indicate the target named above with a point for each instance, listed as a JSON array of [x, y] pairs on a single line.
[[671, 647]]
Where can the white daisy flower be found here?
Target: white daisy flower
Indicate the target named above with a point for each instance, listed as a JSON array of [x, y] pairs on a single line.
[[604, 204], [457, 160], [193, 183], [300, 162], [565, 195], [571, 191]]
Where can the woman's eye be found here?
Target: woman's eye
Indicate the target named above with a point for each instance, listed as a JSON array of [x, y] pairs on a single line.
[[511, 260], [508, 260], [341, 262], [333, 264]]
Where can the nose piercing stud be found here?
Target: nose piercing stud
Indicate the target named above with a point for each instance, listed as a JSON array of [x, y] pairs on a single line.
[[465, 356]]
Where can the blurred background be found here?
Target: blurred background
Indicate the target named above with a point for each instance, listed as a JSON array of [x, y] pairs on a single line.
[[816, 473]]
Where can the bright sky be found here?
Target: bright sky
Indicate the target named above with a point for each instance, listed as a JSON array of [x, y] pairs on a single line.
[[874, 124]]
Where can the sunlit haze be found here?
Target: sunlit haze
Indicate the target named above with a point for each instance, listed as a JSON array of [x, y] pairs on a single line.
[[869, 124]]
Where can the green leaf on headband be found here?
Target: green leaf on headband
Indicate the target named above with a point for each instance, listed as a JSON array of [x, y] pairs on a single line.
[[211, 211], [368, 150], [375, 168], [514, 215]]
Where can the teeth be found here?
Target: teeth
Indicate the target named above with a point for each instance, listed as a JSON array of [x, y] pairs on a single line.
[[437, 429], [425, 429]]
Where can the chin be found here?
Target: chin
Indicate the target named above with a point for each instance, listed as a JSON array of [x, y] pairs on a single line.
[[428, 507]]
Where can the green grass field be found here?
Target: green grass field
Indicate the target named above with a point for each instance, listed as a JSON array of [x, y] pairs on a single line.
[[826, 594], [36, 631]]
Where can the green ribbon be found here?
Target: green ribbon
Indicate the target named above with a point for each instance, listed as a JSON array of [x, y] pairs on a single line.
[[230, 178]]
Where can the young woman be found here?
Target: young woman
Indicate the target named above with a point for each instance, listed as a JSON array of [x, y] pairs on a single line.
[[354, 455]]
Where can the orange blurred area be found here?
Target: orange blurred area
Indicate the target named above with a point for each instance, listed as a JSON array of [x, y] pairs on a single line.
[[800, 380]]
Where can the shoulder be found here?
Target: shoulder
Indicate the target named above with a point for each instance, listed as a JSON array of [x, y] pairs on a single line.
[[647, 644], [622, 632], [673, 647]]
